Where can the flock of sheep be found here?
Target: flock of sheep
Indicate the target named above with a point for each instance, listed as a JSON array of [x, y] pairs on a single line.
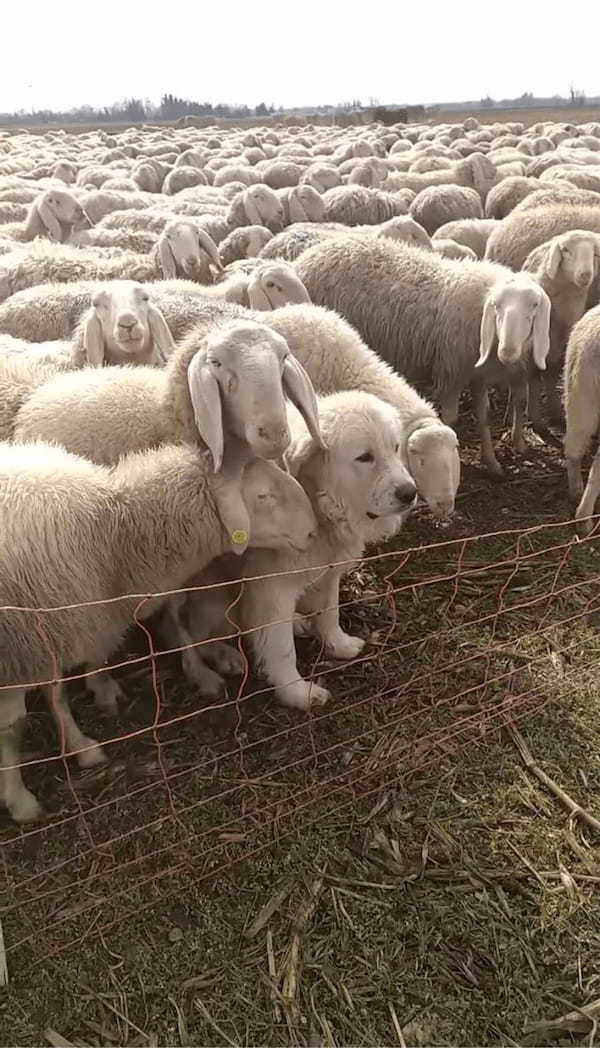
[[213, 350]]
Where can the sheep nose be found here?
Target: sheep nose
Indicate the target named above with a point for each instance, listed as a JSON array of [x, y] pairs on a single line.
[[127, 322], [274, 434], [405, 494]]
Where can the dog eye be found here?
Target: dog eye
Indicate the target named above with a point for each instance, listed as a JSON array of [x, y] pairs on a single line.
[[365, 457]]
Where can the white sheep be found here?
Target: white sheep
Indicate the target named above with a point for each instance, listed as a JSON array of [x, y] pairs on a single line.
[[357, 205], [435, 316], [301, 204], [472, 232], [186, 250], [53, 214], [257, 206], [122, 327], [111, 527], [335, 359], [523, 230], [436, 205], [232, 382], [244, 242], [582, 412], [450, 249], [565, 266]]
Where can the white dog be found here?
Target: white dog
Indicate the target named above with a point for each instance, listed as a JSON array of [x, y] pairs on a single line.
[[361, 491]]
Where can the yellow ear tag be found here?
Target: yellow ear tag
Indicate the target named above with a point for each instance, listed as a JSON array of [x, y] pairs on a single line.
[[239, 537]]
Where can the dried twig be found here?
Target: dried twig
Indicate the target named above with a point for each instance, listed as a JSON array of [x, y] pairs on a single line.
[[579, 1021], [572, 806], [3, 961], [397, 1026], [267, 911]]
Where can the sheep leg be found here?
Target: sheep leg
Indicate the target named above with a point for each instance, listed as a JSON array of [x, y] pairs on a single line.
[[91, 750], [518, 394], [583, 417], [481, 404], [553, 401], [588, 500], [538, 422], [21, 803], [323, 599], [273, 645], [449, 406], [176, 632]]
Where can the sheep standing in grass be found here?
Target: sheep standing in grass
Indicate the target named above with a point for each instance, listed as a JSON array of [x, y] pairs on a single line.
[[565, 267], [455, 324], [108, 527]]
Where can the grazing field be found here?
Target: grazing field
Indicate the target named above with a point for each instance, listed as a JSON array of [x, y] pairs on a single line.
[[417, 861]]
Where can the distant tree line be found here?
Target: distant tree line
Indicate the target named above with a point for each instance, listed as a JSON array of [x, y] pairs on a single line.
[[136, 111], [173, 108]]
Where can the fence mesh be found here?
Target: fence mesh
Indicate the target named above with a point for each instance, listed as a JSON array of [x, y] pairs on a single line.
[[463, 635]]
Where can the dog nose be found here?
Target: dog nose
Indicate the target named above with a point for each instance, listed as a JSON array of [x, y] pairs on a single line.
[[405, 494]]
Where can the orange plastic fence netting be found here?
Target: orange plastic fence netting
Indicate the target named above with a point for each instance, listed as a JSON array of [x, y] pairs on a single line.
[[464, 636]]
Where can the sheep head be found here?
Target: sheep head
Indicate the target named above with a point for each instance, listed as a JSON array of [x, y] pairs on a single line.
[[238, 380], [576, 256], [275, 284], [123, 322], [516, 311], [184, 248], [279, 511]]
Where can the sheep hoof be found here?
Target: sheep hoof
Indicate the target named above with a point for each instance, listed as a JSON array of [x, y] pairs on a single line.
[[584, 528], [345, 647], [494, 468], [24, 807], [93, 756]]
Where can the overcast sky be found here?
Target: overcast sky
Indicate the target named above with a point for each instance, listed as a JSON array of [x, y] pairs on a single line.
[[293, 53]]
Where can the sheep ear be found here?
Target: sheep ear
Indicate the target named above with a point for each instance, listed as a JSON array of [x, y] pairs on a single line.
[[161, 336], [93, 341], [487, 333], [166, 259], [257, 297], [299, 388], [50, 221], [554, 260], [206, 401], [253, 214], [207, 244], [541, 332]]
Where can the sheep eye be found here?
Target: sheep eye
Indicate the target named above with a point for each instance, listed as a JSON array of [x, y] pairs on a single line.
[[365, 457], [396, 449], [215, 363], [270, 283]]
